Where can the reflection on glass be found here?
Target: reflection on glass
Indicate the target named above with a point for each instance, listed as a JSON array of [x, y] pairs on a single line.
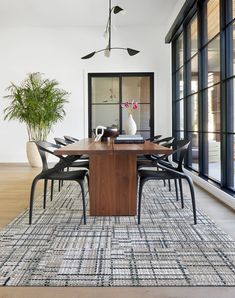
[[233, 92], [213, 94], [193, 112], [233, 48], [214, 167], [193, 36], [111, 113], [233, 146], [179, 135], [141, 116], [213, 18], [193, 151], [233, 9], [105, 90], [180, 84], [136, 88], [179, 51], [194, 74], [180, 115], [213, 51]]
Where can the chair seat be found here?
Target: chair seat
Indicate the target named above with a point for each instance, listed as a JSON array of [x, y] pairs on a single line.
[[158, 175], [70, 175], [145, 163], [79, 164]]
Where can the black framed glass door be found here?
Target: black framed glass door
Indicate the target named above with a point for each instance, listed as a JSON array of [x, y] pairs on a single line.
[[106, 92]]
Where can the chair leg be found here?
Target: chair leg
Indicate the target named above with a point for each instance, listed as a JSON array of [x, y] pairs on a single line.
[[181, 193], [176, 190], [83, 200], [87, 178], [45, 194], [141, 184], [164, 181], [169, 184], [59, 185], [190, 182], [52, 189], [34, 183]]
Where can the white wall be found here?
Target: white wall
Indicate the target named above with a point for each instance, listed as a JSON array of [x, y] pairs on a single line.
[[57, 52]]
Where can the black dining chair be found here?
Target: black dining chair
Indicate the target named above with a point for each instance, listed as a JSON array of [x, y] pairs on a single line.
[[70, 139], [61, 142], [83, 160], [168, 172], [151, 139], [164, 140], [56, 173], [149, 160], [82, 163]]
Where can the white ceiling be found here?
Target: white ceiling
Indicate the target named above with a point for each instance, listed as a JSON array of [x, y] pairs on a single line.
[[83, 12]]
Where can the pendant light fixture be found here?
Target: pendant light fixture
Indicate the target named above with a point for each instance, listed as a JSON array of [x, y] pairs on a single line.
[[115, 9]]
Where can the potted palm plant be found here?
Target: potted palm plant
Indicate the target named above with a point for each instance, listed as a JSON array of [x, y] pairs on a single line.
[[38, 103]]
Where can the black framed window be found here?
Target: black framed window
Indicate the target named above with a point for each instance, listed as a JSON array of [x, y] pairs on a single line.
[[204, 89], [106, 92]]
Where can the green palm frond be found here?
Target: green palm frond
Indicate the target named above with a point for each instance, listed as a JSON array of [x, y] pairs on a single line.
[[38, 103]]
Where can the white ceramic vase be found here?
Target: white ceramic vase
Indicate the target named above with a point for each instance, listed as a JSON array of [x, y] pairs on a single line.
[[33, 155], [130, 127]]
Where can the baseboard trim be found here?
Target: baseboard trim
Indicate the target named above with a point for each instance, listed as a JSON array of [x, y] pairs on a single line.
[[219, 194]]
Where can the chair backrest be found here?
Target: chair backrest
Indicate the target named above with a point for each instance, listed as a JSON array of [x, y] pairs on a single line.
[[164, 141], [70, 139], [154, 138], [182, 147], [43, 148], [61, 142]]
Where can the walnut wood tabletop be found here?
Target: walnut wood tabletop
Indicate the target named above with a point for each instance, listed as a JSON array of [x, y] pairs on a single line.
[[112, 173], [85, 146]]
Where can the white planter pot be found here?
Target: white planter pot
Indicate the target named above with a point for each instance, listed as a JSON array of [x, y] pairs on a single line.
[[130, 127], [33, 155]]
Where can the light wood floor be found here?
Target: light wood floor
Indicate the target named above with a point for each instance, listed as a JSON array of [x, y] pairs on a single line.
[[15, 182]]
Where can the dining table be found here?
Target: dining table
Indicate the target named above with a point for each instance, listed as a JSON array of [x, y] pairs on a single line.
[[113, 174]]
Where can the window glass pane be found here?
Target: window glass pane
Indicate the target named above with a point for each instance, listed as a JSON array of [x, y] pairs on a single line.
[[233, 169], [180, 115], [105, 90], [179, 51], [180, 83], [136, 88], [213, 18], [233, 103], [233, 9], [193, 36], [193, 153], [213, 51], [214, 108], [194, 74], [233, 49], [179, 136], [193, 113], [111, 113], [214, 167]]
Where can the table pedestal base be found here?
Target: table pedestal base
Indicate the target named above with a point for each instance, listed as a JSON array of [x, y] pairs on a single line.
[[113, 184]]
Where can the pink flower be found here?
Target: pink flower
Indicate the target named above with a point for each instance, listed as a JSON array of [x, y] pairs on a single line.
[[130, 106], [135, 105]]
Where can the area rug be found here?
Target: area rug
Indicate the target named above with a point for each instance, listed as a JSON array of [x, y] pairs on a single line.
[[165, 250]]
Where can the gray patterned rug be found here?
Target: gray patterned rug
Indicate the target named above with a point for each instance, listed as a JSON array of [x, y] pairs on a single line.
[[165, 250]]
